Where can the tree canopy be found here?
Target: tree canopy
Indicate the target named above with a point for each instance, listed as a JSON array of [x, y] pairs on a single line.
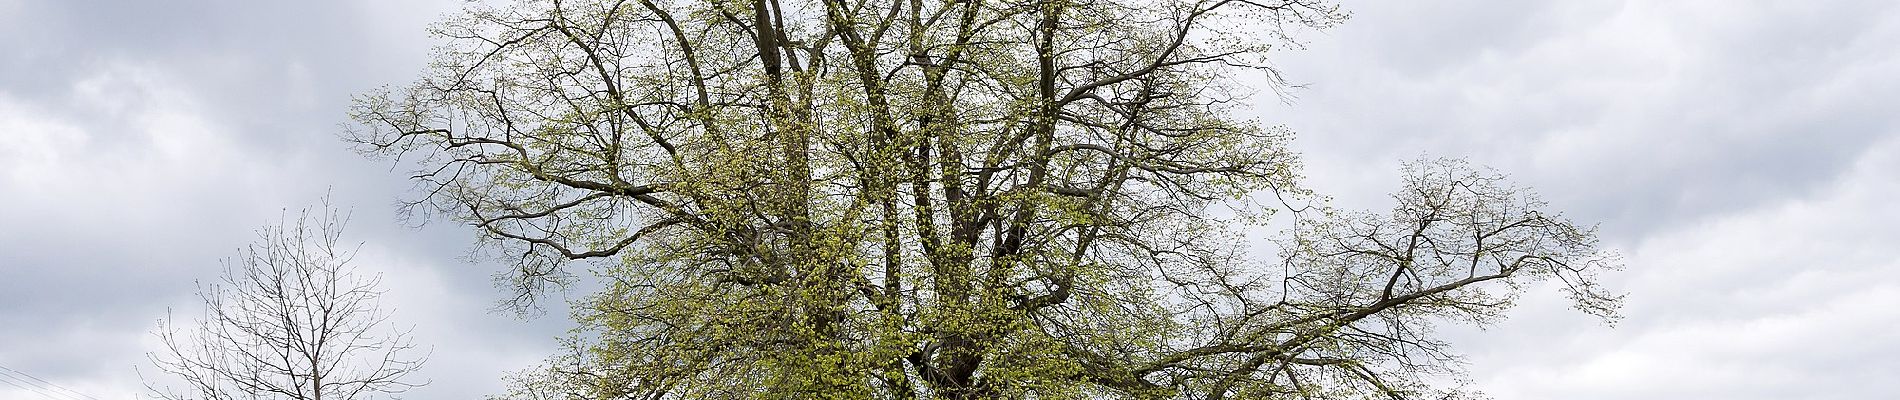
[[944, 199]]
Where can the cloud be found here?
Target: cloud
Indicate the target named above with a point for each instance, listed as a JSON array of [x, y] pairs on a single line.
[[1737, 154], [1787, 300], [125, 191], [1641, 114], [1740, 157], [99, 190], [146, 144]]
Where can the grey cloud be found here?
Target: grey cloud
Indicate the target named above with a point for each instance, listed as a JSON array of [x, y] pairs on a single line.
[[1737, 154], [1645, 113], [148, 140], [1789, 300]]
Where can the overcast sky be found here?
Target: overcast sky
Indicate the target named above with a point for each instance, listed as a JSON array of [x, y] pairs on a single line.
[[1741, 156]]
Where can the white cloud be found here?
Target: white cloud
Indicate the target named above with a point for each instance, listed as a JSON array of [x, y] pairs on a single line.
[[1741, 156], [100, 190], [131, 185], [1635, 114], [144, 143], [447, 320], [1788, 300], [1738, 154], [127, 133], [38, 145]]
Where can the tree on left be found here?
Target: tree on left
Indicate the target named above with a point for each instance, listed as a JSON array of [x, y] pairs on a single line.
[[289, 319]]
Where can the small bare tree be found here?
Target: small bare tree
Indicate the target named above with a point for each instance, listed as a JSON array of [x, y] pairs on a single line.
[[289, 319]]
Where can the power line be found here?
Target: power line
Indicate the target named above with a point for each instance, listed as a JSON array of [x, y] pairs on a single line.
[[9, 380], [72, 392], [35, 388]]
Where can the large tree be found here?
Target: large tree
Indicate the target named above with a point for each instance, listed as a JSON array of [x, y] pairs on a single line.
[[943, 198]]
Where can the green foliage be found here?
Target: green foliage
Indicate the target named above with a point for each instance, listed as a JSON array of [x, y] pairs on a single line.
[[940, 198]]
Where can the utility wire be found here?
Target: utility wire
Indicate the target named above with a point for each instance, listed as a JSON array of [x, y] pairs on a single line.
[[35, 388], [8, 379], [69, 392]]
